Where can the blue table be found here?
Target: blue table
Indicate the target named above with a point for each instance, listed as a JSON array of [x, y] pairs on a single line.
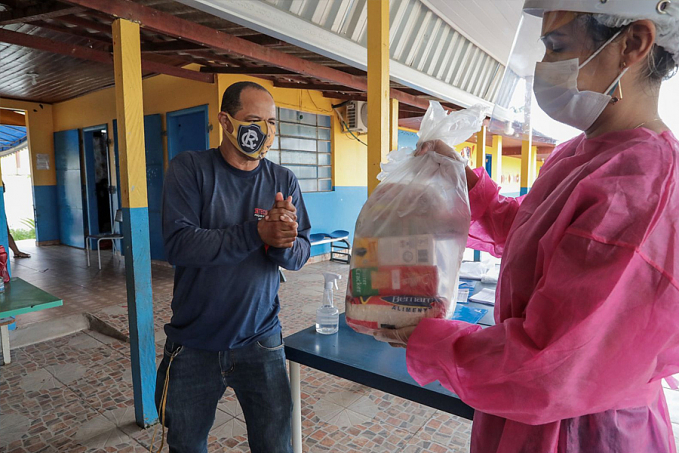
[[18, 298], [364, 360]]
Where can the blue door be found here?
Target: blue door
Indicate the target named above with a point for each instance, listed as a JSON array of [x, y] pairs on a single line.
[[489, 164], [187, 130], [153, 141], [69, 188]]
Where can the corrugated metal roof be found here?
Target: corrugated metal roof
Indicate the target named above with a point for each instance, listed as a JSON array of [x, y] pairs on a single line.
[[419, 38], [12, 138]]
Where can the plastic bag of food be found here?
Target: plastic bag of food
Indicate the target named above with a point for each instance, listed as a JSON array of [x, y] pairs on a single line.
[[411, 233]]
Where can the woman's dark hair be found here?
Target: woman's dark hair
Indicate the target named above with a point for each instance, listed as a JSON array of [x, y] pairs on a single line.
[[660, 65]]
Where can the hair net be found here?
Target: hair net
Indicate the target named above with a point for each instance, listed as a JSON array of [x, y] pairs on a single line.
[[667, 27]]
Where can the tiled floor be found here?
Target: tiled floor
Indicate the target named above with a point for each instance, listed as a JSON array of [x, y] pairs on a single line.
[[74, 394]]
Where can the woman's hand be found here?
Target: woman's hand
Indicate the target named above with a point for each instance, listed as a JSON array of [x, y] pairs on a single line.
[[438, 146], [397, 338]]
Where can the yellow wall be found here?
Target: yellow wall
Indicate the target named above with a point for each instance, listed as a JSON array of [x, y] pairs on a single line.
[[511, 166], [164, 94], [40, 137]]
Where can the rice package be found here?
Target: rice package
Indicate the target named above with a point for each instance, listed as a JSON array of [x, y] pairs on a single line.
[[411, 233]]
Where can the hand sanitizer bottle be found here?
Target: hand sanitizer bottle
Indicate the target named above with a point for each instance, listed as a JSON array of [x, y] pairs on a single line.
[[327, 315]]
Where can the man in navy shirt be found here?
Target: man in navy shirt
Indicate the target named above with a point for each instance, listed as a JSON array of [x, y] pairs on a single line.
[[230, 219]]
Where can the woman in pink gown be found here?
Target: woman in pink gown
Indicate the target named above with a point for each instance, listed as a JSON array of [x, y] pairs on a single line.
[[587, 310]]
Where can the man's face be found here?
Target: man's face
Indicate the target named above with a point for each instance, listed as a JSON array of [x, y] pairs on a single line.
[[256, 106]]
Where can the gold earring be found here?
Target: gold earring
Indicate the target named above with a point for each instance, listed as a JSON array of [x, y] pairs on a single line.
[[618, 98]]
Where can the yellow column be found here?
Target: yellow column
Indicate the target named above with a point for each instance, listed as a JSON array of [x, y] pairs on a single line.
[[130, 114], [378, 88], [527, 165], [496, 153], [535, 165], [393, 124], [481, 143]]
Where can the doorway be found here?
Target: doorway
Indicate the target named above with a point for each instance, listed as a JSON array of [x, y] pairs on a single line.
[[97, 181], [187, 130]]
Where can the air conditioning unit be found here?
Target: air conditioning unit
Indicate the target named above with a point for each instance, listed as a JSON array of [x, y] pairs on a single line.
[[357, 116]]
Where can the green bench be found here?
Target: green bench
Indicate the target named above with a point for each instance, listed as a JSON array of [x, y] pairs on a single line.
[[18, 298]]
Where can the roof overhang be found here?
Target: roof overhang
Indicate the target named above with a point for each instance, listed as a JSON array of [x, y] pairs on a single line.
[[269, 20]]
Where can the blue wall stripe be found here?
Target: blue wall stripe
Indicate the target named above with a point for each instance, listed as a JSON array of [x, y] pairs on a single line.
[[4, 238], [4, 241], [336, 210], [524, 191], [140, 312], [46, 213]]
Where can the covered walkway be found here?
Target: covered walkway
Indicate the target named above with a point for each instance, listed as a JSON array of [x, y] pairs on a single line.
[[74, 393]]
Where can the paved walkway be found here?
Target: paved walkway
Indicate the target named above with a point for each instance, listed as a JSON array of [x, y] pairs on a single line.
[[74, 394]]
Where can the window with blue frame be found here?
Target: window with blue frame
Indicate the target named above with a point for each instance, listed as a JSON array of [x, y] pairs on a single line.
[[303, 145]]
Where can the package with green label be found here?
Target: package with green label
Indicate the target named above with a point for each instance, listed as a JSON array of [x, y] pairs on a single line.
[[395, 281]]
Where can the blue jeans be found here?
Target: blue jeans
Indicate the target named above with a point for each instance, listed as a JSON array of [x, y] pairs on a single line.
[[198, 380]]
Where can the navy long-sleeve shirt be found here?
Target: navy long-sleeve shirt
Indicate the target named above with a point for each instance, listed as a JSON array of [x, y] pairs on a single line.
[[226, 281]]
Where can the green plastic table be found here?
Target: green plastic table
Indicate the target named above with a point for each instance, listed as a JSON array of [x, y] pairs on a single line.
[[18, 298]]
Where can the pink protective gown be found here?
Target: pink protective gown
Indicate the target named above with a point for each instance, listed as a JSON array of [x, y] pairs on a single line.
[[587, 306]]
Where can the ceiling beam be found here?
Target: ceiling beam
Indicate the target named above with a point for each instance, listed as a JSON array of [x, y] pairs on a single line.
[[511, 151], [207, 54], [87, 24], [12, 118], [46, 10], [170, 47], [345, 96], [312, 86], [246, 70], [167, 24], [264, 40], [85, 53], [103, 41]]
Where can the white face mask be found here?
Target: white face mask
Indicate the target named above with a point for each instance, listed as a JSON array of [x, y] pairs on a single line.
[[557, 93]]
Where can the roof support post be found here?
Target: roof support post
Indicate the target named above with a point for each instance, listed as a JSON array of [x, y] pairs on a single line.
[[378, 88], [130, 113], [528, 152]]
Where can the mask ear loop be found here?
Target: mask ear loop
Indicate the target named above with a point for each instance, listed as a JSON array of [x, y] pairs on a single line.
[[600, 49]]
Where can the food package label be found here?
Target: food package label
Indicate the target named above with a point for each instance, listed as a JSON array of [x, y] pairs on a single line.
[[367, 314], [395, 281], [406, 251]]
